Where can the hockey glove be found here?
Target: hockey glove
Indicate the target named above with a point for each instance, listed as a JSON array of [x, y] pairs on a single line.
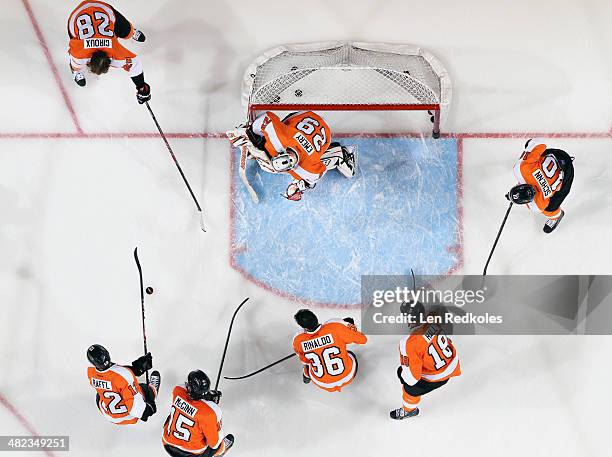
[[143, 94], [296, 189], [142, 364], [150, 409], [213, 395], [238, 137]]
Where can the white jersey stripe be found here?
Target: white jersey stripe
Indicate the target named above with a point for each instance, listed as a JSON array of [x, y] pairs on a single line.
[[447, 372]]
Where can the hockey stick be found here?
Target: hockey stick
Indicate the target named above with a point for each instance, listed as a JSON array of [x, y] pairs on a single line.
[[484, 273], [144, 333], [161, 132], [229, 333], [243, 176], [261, 369]]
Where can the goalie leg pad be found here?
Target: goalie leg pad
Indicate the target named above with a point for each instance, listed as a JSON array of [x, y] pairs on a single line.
[[349, 164], [342, 158]]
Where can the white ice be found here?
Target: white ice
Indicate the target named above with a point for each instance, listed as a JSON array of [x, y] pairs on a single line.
[[73, 209]]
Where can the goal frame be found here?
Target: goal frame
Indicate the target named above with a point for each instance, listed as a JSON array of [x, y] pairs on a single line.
[[439, 109]]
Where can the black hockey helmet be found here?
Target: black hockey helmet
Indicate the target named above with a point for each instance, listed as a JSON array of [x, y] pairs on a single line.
[[306, 319], [197, 385], [522, 194], [99, 357], [416, 311]]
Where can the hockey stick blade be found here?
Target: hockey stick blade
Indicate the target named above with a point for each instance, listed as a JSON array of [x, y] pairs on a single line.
[[261, 369], [202, 226], [229, 333], [178, 166]]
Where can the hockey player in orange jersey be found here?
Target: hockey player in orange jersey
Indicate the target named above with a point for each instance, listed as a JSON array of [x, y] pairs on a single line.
[[299, 145], [428, 360], [322, 350], [94, 29], [545, 177], [194, 426], [119, 396]]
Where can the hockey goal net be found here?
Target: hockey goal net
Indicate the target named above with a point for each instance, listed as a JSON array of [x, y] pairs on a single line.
[[353, 76]]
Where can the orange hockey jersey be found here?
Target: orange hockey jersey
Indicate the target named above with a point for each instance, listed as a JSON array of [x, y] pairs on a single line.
[[306, 133], [540, 167], [329, 364], [121, 399], [428, 355], [193, 425], [91, 27]]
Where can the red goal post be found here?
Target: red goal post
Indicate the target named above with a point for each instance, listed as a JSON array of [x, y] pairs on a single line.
[[347, 76]]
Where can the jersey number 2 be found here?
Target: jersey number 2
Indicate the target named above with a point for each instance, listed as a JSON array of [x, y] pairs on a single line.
[[115, 406]]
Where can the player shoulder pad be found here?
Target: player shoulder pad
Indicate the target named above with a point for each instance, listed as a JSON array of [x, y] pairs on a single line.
[[215, 409], [125, 373]]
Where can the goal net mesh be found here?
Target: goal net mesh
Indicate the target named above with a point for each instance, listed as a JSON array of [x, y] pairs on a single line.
[[347, 76]]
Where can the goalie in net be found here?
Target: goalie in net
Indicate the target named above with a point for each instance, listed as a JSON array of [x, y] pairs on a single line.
[[298, 145]]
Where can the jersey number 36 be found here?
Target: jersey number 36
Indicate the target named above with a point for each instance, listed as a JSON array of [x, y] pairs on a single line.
[[328, 362]]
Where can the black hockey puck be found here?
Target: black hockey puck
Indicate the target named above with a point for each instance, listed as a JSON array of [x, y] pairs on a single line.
[[149, 290], [298, 92]]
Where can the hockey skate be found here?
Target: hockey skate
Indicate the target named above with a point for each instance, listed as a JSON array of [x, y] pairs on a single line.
[[400, 413], [229, 442], [552, 224], [139, 36], [79, 78], [155, 380]]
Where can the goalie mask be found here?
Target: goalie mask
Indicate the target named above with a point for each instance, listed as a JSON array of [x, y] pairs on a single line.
[[285, 161], [522, 194]]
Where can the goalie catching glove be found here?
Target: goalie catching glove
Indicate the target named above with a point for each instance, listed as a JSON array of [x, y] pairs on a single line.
[[296, 189]]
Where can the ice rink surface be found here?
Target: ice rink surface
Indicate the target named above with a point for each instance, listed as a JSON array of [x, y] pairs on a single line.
[[84, 179]]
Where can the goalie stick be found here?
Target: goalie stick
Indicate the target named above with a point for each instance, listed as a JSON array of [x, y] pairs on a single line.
[[142, 306], [261, 369], [229, 333], [243, 161]]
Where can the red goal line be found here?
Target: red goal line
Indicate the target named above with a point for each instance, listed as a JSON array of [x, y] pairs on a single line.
[[218, 135]]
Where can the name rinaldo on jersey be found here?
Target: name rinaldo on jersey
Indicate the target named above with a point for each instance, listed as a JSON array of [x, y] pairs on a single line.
[[315, 343]]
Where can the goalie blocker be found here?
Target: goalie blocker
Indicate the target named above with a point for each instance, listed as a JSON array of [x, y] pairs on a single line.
[[299, 145]]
